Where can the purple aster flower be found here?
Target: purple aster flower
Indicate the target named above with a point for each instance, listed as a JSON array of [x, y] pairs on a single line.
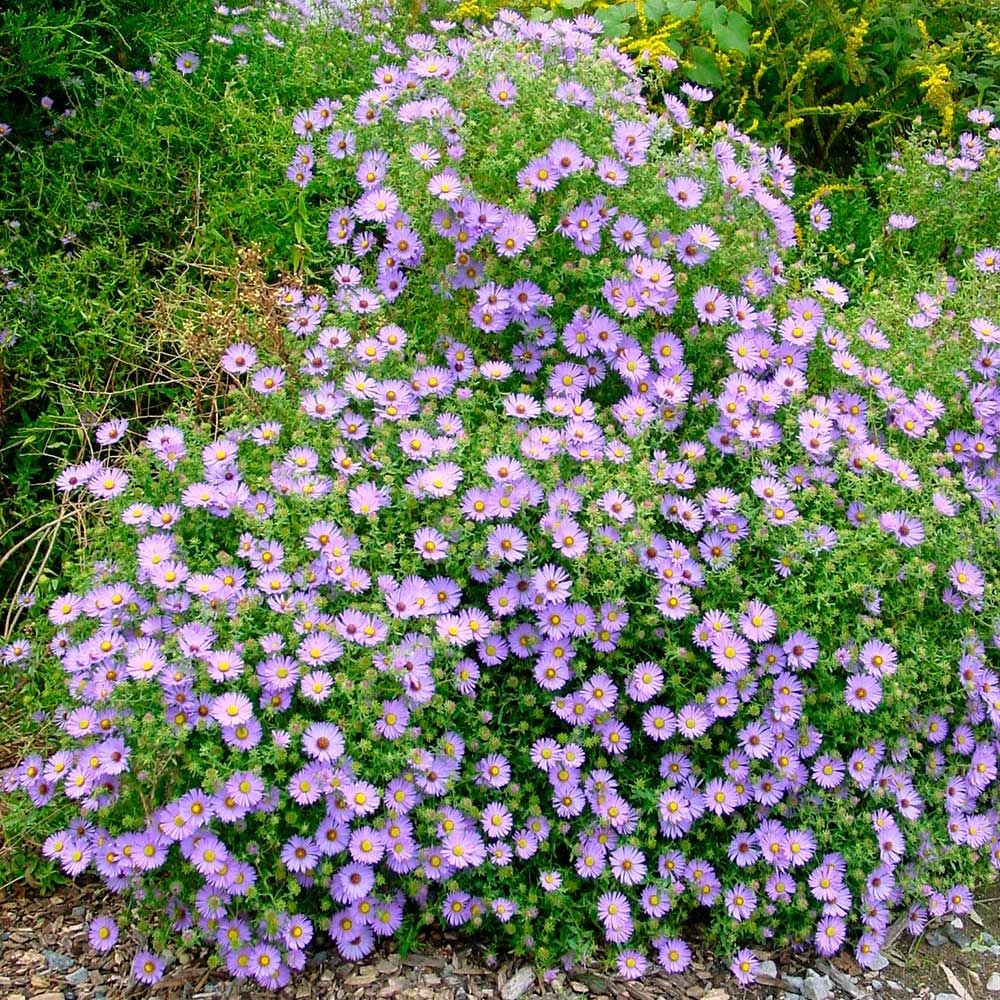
[[431, 544], [863, 693], [673, 954], [513, 235], [966, 578], [299, 855], [745, 966], [232, 709], [268, 380], [393, 721], [187, 63], [147, 968], [628, 864], [102, 934], [693, 721], [878, 658], [613, 910], [830, 934], [685, 191], [502, 90], [987, 260]]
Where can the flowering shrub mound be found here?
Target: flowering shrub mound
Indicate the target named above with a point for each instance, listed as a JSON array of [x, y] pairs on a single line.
[[586, 564]]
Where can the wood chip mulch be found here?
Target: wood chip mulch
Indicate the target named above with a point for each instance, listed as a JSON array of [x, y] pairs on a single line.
[[44, 955]]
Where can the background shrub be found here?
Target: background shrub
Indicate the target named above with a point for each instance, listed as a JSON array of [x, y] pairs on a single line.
[[822, 79], [129, 190]]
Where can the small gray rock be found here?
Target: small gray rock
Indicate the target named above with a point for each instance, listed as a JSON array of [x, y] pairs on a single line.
[[768, 968], [877, 985], [993, 983], [792, 984], [78, 977], [816, 987], [878, 963], [947, 996], [845, 982], [55, 960], [935, 938], [956, 931], [518, 984]]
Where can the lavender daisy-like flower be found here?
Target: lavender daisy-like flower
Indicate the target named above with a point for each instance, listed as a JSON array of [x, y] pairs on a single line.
[[878, 658], [830, 934], [711, 305], [187, 63], [493, 771], [503, 91], [147, 968], [430, 544], [692, 721], [299, 854], [987, 260], [108, 483], [268, 380], [613, 910], [628, 864], [863, 693], [393, 721], [102, 934], [745, 966], [673, 954], [759, 623], [966, 578], [238, 359], [685, 191], [231, 709]]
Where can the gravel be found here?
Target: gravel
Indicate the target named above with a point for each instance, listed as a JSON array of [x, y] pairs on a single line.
[[816, 987]]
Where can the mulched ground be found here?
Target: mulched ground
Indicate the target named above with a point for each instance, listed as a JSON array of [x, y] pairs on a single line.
[[44, 955]]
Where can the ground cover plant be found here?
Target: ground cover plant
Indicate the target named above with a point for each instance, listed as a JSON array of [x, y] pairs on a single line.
[[584, 563]]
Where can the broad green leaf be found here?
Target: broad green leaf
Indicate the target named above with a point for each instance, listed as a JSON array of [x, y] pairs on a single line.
[[708, 14], [682, 9], [610, 15], [616, 19], [746, 6], [616, 29], [703, 68], [734, 34], [655, 10], [572, 4]]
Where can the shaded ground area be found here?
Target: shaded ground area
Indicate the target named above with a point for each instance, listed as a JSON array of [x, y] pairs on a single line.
[[44, 955]]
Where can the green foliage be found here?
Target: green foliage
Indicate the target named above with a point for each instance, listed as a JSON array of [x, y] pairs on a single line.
[[134, 197]]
